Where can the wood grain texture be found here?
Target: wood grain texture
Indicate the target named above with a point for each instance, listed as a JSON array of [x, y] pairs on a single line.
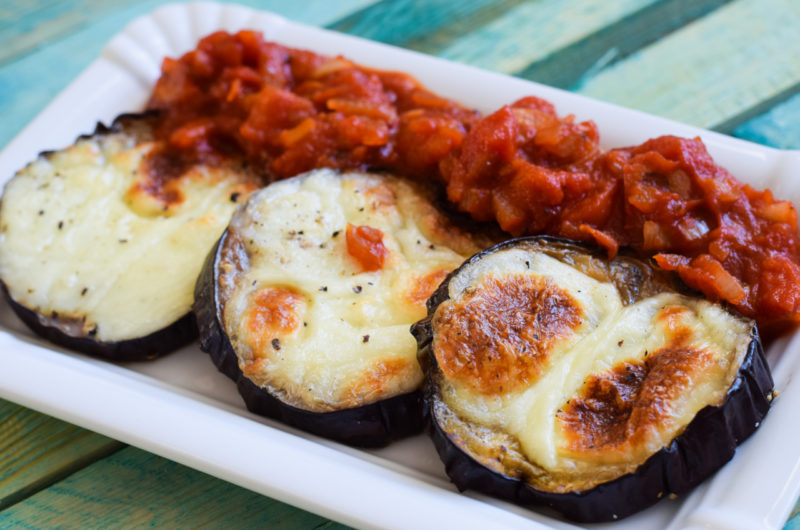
[[37, 71], [132, 488], [712, 70], [421, 25], [533, 31], [37, 450], [778, 127], [615, 41]]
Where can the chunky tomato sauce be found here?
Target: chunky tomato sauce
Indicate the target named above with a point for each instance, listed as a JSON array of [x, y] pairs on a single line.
[[290, 111], [286, 111], [365, 244]]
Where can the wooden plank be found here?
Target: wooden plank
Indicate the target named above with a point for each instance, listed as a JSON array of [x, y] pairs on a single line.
[[37, 450], [616, 41], [694, 76], [38, 73], [422, 26], [778, 127], [133, 488], [25, 26], [533, 31]]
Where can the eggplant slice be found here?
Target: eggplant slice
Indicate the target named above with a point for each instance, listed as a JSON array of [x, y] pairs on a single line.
[[557, 378], [99, 254], [312, 336]]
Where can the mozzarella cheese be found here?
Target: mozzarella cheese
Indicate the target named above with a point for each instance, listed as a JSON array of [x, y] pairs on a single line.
[[307, 322], [97, 249], [584, 421]]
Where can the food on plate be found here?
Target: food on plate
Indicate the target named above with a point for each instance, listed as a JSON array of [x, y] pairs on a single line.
[[287, 111], [290, 111], [536, 173], [308, 298], [99, 254], [595, 387]]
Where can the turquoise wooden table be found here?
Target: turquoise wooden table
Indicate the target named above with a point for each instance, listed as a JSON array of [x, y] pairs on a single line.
[[731, 66]]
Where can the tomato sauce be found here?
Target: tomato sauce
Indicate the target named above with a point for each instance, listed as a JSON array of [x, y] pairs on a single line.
[[286, 111], [365, 245]]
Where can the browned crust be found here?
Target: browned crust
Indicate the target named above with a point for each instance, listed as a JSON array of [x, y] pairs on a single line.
[[498, 337]]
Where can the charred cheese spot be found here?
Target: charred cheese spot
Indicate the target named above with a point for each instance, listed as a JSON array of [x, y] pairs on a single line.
[[274, 312], [380, 197], [377, 378], [498, 337], [253, 367], [422, 287], [672, 317], [618, 410], [149, 197]]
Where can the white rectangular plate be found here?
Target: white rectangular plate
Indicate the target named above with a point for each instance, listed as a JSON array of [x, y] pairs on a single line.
[[180, 407]]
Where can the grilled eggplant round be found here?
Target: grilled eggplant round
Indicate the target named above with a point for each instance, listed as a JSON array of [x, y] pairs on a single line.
[[100, 254], [314, 331], [557, 378]]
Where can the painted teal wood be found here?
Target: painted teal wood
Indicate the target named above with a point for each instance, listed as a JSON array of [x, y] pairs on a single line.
[[614, 42], [59, 450], [422, 26], [32, 79], [694, 76], [26, 26], [133, 488], [532, 32], [778, 127]]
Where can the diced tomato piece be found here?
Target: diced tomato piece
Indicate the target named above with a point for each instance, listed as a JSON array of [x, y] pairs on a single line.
[[365, 244]]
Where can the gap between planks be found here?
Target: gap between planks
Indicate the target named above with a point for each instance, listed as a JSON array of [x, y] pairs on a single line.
[[139, 489], [37, 450]]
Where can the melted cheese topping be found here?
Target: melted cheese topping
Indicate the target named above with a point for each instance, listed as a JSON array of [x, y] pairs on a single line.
[[84, 245], [353, 344], [617, 388]]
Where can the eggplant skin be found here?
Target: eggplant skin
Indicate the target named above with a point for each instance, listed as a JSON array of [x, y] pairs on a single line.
[[373, 425], [166, 340], [706, 444]]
